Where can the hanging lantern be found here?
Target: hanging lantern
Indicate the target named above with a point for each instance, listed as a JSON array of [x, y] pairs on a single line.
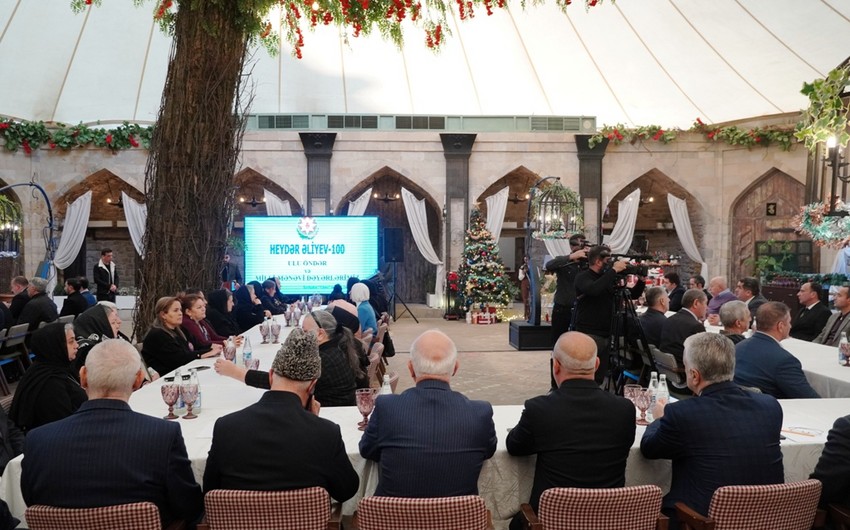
[[10, 228], [556, 212]]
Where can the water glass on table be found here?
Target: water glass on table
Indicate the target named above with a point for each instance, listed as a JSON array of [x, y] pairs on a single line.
[[365, 404], [189, 393], [642, 401], [170, 393]]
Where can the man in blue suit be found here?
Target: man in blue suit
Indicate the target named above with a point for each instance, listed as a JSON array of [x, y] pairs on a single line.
[[761, 362], [106, 454], [725, 436], [429, 441]]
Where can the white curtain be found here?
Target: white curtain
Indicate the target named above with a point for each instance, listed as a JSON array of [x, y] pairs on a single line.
[[73, 234], [276, 206], [416, 217], [557, 247], [358, 205], [496, 205], [136, 215], [624, 230], [682, 222]]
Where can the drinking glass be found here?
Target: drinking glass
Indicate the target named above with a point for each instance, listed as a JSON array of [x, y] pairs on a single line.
[[365, 403], [229, 351], [189, 392], [629, 392], [642, 401], [252, 363], [264, 332], [275, 329], [170, 392]]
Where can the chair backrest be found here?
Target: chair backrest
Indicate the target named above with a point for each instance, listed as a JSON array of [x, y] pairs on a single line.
[[135, 516], [790, 506], [304, 509], [393, 513], [16, 335], [67, 319], [382, 330], [670, 366], [632, 508], [393, 379], [374, 361]]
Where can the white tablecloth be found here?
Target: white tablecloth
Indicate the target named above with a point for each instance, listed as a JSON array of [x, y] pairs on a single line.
[[505, 481]]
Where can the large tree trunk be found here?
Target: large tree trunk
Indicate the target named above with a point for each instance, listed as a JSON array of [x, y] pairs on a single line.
[[189, 177]]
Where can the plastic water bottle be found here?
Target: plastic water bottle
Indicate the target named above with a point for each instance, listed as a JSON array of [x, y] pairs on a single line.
[[247, 352], [653, 389], [193, 379], [843, 349], [662, 395], [386, 387]]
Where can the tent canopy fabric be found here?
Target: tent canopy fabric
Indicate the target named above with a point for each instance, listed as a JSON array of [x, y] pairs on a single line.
[[636, 62]]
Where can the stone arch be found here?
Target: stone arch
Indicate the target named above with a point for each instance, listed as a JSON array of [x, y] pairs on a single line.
[[415, 276], [106, 188], [749, 222], [250, 185], [655, 222]]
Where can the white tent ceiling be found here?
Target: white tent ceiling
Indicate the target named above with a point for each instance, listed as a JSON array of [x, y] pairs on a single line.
[[638, 62]]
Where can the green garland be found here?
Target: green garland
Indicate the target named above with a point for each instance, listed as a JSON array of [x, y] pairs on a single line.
[[825, 230], [827, 114], [619, 133], [30, 135]]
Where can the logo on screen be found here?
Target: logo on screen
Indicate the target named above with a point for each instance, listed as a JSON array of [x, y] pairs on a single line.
[[307, 228]]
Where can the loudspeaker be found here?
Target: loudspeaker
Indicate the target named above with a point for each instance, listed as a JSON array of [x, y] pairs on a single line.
[[393, 245]]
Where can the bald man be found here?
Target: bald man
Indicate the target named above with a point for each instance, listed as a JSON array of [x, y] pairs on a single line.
[[580, 433], [720, 294], [429, 440]]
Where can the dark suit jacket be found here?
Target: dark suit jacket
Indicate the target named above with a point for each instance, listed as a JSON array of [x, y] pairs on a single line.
[[276, 445], [429, 441], [581, 435], [165, 352], [101, 279], [833, 469], [676, 298], [754, 304], [18, 303], [74, 305], [726, 436], [810, 322], [762, 362], [652, 322], [844, 326], [39, 309], [676, 329], [106, 454]]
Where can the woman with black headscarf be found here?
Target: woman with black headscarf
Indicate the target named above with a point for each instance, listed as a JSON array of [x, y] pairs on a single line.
[[249, 310], [220, 313], [49, 390], [94, 325]]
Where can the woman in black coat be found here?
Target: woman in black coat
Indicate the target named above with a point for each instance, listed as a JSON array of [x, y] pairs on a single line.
[[249, 310], [220, 313], [165, 347]]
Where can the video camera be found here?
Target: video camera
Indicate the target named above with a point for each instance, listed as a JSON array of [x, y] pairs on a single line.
[[636, 269]]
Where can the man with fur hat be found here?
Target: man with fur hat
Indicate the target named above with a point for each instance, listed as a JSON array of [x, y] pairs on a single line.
[[280, 443]]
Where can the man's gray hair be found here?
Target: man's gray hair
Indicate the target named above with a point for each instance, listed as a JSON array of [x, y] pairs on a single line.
[[38, 284], [732, 311], [712, 355], [691, 296], [423, 365], [573, 365], [111, 367]]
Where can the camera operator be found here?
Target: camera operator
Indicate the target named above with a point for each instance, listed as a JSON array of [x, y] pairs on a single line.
[[595, 309]]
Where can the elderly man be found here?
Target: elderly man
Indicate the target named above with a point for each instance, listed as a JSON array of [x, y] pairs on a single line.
[[812, 318], [687, 322], [720, 294], [429, 441], [837, 323], [580, 433], [761, 362], [652, 321], [735, 317], [106, 454], [280, 441], [40, 307], [748, 290], [696, 435], [19, 285]]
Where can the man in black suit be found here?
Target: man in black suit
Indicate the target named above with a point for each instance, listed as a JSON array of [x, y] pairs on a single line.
[[106, 277], [231, 276], [652, 321], [833, 468], [19, 286], [105, 454], [581, 434], [40, 307], [725, 436], [675, 291], [75, 303], [812, 318], [280, 443], [749, 290], [687, 322]]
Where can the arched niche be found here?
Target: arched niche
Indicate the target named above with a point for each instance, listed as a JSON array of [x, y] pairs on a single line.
[[13, 266], [107, 227], [654, 222], [250, 194], [415, 276], [750, 222]]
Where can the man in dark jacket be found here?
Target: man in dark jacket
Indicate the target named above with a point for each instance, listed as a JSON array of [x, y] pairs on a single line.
[[75, 303], [40, 307], [19, 286]]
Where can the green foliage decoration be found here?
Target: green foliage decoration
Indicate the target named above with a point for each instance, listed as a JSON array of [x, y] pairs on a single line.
[[826, 115], [28, 136]]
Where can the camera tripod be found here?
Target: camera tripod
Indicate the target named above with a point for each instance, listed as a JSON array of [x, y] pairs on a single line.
[[627, 345]]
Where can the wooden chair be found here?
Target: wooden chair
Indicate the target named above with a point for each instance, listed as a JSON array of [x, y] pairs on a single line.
[[394, 513], [632, 508], [303, 509], [374, 363], [135, 516], [382, 330], [791, 506]]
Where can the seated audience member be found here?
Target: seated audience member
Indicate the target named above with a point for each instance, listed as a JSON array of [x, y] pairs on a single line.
[[349, 283], [270, 457], [249, 310], [761, 362], [458, 432], [336, 293], [838, 323], [75, 303], [652, 321], [270, 300], [376, 297], [675, 291], [698, 282], [346, 314], [198, 331], [84, 290], [105, 454], [165, 347], [813, 316], [687, 322], [720, 294], [6, 321], [220, 313], [48, 390], [735, 318], [40, 307], [95, 325], [19, 285], [581, 434], [748, 290], [11, 443], [365, 313], [833, 467], [696, 435]]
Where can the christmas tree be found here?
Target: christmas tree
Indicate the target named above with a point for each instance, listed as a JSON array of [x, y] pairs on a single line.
[[481, 271]]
